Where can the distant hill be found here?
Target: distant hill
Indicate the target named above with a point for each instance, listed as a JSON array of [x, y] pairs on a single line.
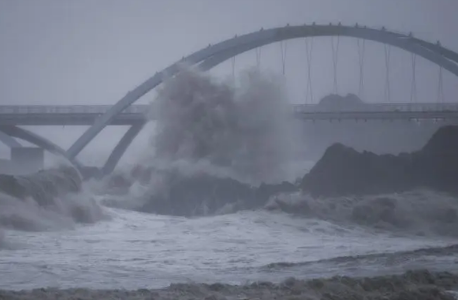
[[336, 101]]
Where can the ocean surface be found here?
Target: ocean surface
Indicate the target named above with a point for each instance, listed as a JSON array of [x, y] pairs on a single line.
[[83, 241], [134, 250]]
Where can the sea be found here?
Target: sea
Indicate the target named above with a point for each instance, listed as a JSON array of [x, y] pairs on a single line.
[[84, 241]]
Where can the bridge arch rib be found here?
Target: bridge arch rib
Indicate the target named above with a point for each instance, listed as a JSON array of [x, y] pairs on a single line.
[[213, 55], [121, 148], [9, 141], [33, 138]]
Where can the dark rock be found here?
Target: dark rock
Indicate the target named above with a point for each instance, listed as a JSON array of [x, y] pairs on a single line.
[[42, 186], [265, 191], [10, 186], [344, 171], [203, 194], [90, 172], [196, 195]]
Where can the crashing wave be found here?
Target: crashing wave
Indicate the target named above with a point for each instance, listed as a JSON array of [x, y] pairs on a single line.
[[384, 258], [245, 130], [49, 199], [170, 192], [421, 212], [213, 145], [418, 284], [42, 186]]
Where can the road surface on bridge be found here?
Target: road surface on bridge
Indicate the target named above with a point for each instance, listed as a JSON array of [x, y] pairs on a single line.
[[39, 115]]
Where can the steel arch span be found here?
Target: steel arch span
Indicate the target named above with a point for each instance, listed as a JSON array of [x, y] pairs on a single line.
[[213, 55], [33, 138], [9, 141], [120, 148]]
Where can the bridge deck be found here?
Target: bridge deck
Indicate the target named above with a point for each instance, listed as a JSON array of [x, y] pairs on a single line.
[[67, 114], [87, 114], [379, 115]]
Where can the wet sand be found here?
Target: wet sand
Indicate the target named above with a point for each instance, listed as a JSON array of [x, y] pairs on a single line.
[[418, 285]]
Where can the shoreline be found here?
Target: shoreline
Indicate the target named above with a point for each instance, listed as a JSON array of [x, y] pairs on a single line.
[[417, 284]]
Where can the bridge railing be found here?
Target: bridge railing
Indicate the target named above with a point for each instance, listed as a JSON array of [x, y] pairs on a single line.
[[67, 109], [378, 107], [297, 108]]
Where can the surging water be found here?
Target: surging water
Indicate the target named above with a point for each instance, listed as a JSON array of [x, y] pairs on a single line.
[[245, 131], [223, 132], [48, 200], [136, 250]]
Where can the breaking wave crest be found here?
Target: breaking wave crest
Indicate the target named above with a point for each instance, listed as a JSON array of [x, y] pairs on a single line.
[[419, 284], [421, 212], [48, 200], [207, 130], [386, 258], [244, 131]]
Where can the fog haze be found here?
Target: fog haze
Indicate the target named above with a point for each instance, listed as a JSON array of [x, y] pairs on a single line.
[[223, 194], [93, 52]]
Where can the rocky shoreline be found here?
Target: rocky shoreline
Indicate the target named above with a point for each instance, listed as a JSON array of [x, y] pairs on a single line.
[[418, 285], [341, 172], [42, 186], [49, 199]]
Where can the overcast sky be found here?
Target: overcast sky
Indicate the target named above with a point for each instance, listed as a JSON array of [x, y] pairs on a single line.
[[94, 51]]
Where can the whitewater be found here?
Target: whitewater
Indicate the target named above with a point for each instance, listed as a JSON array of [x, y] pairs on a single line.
[[99, 239], [135, 250]]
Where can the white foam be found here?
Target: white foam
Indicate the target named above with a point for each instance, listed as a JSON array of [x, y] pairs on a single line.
[[242, 131]]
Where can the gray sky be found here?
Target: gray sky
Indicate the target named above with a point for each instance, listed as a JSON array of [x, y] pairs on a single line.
[[94, 51]]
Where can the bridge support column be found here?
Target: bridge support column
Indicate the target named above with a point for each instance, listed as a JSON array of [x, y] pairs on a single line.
[[120, 148]]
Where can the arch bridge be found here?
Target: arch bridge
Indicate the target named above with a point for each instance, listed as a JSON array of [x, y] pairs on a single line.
[[213, 55]]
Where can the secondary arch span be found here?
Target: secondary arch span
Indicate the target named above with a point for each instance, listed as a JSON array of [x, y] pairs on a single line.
[[120, 148], [9, 141], [218, 53], [33, 138]]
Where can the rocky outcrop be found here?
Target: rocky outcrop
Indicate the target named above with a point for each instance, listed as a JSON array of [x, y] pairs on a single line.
[[170, 192], [204, 194], [343, 171], [42, 186]]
